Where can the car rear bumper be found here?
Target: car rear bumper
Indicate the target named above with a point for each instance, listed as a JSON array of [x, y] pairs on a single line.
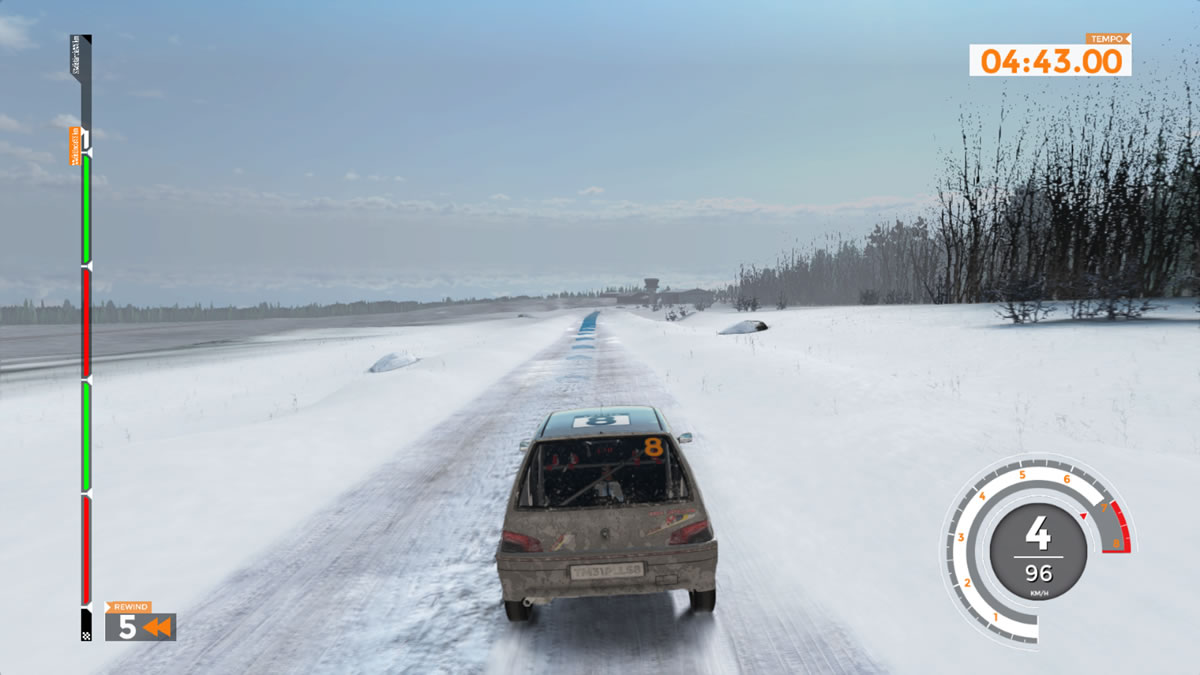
[[548, 575]]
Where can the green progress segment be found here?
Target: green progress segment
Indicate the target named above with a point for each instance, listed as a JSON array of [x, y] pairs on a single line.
[[87, 437], [87, 209]]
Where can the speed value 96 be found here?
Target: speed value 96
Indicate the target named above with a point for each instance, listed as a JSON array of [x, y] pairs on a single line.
[[1051, 60]]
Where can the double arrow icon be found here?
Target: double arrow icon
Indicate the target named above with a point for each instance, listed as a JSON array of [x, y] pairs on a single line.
[[154, 627]]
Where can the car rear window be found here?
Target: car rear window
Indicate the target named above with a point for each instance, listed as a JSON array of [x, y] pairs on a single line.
[[610, 471]]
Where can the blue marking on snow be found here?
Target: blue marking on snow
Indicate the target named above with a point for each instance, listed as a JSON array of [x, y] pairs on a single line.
[[587, 326]]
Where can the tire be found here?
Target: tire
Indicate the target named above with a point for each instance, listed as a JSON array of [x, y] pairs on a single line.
[[517, 611], [703, 601]]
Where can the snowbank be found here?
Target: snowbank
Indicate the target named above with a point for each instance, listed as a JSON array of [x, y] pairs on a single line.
[[393, 361], [742, 327]]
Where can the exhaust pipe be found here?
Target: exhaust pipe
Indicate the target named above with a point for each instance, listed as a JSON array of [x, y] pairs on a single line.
[[527, 602]]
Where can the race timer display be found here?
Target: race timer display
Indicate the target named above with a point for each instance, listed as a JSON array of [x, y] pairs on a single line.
[[1022, 533]]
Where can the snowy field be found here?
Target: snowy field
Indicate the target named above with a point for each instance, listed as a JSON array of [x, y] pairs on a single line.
[[829, 448], [201, 462], [841, 436]]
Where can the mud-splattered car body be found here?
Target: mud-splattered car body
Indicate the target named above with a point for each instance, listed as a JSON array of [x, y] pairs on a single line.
[[605, 503]]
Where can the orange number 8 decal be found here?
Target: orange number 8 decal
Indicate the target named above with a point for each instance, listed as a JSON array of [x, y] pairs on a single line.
[[654, 447]]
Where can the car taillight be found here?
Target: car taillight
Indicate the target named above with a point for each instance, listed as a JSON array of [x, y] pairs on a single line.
[[511, 542], [695, 533]]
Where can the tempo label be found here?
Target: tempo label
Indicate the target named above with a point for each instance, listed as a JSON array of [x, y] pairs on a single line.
[[137, 622]]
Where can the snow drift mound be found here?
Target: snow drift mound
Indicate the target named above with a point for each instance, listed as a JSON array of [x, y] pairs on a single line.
[[392, 362], [743, 327]]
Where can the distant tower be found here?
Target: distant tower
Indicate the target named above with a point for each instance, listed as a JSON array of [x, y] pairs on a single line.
[[651, 286]]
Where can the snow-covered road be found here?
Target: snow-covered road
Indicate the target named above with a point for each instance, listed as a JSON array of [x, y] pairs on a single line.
[[302, 515], [397, 574]]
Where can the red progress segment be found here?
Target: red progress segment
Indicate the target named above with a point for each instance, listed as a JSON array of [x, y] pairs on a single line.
[[87, 550], [87, 323], [1127, 546]]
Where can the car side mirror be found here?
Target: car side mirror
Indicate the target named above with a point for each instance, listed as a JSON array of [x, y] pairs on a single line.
[[525, 444], [685, 438]]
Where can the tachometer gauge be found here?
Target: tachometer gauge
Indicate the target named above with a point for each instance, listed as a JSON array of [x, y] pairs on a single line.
[[1021, 534]]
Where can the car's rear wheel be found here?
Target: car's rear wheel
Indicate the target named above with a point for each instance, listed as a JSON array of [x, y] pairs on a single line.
[[703, 601], [516, 610]]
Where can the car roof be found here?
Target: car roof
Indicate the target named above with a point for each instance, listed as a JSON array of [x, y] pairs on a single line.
[[616, 420]]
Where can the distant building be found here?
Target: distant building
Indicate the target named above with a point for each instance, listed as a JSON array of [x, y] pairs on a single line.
[[635, 299], [652, 296], [689, 297]]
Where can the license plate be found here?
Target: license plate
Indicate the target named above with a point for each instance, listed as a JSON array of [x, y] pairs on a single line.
[[609, 571]]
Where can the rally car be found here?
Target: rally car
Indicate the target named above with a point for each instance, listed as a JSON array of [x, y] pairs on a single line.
[[605, 503]]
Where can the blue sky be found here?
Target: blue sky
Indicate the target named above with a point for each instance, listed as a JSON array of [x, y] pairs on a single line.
[[312, 151]]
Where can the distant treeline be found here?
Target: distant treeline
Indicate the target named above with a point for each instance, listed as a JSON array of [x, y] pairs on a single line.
[[29, 313], [609, 290], [109, 312], [1102, 204]]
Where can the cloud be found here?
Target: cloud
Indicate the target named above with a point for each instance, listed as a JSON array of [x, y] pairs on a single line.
[[125, 36], [239, 171], [64, 120], [36, 176], [593, 190], [375, 177], [496, 209], [25, 154], [59, 76], [174, 39], [243, 198], [9, 124], [14, 32], [500, 196], [308, 174], [399, 179], [148, 93]]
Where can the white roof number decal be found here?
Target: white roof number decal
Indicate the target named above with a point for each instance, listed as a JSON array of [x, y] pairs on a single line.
[[601, 421]]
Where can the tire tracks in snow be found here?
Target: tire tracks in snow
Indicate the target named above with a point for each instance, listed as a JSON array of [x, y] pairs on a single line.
[[397, 576]]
